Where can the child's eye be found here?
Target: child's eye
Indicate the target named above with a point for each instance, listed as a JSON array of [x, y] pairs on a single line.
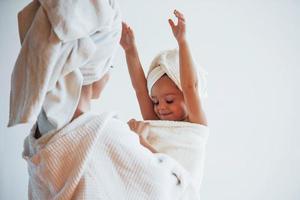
[[169, 101]]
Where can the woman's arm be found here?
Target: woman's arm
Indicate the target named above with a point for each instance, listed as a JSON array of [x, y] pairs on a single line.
[[141, 128], [188, 74], [136, 73], [147, 145]]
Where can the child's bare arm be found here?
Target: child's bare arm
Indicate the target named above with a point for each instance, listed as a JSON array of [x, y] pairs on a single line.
[[136, 73], [188, 77]]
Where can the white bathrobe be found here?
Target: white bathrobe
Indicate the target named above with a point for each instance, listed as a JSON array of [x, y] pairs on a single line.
[[98, 157]]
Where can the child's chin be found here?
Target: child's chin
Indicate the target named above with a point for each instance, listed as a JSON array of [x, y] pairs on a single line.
[[168, 118]]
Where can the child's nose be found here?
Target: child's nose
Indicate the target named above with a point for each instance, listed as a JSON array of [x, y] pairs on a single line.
[[162, 106]]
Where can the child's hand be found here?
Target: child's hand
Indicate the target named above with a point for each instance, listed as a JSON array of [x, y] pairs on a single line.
[[179, 29], [139, 127], [127, 37]]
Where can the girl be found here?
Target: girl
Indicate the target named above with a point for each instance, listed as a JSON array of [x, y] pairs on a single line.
[[169, 100], [164, 99]]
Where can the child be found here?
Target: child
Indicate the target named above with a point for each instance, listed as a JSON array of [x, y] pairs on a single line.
[[170, 94]]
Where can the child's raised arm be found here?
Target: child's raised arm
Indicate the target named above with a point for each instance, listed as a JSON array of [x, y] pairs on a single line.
[[188, 76], [136, 73]]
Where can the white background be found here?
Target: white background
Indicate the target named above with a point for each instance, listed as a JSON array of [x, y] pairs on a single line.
[[251, 50]]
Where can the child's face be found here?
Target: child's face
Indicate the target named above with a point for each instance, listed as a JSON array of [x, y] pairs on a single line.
[[168, 100]]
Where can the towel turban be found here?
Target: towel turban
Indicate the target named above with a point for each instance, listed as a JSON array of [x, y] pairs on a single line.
[[167, 62], [65, 44]]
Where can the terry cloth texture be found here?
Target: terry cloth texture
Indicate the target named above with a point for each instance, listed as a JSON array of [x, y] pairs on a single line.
[[98, 157]]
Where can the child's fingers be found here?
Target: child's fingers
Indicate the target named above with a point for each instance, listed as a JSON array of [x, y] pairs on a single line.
[[126, 30], [179, 15], [172, 24], [124, 26], [130, 32]]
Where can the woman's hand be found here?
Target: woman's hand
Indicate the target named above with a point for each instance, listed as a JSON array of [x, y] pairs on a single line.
[[127, 37], [139, 127], [142, 129], [179, 29]]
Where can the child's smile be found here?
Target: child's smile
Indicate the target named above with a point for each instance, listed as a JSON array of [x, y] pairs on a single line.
[[168, 100]]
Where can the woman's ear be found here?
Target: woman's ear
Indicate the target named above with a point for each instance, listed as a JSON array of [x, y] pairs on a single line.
[[98, 86], [87, 90]]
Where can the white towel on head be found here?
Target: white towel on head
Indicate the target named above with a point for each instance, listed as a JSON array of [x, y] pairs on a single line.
[[65, 44], [167, 62]]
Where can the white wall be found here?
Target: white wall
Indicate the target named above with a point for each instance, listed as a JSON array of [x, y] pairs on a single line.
[[249, 49]]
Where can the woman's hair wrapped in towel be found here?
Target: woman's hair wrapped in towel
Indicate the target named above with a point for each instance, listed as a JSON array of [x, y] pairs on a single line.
[[65, 45]]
